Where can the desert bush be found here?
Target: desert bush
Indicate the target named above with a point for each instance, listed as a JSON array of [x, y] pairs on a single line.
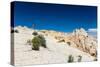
[[12, 30], [16, 31], [80, 58], [43, 31], [29, 42], [34, 33], [95, 59], [61, 40], [38, 41], [42, 40], [69, 43], [70, 59], [35, 43], [93, 54]]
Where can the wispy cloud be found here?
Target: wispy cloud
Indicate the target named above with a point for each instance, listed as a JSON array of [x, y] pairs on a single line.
[[92, 31]]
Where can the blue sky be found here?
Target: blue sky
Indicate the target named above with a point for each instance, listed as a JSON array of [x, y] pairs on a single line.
[[64, 18]]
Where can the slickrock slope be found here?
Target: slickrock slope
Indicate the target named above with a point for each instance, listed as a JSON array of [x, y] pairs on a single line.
[[59, 47], [79, 38]]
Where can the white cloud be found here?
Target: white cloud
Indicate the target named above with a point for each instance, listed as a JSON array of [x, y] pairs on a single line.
[[92, 30]]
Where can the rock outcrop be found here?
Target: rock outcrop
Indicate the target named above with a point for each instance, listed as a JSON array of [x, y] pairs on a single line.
[[84, 42], [79, 39]]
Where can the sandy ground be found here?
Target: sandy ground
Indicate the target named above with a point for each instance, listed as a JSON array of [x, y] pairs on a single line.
[[54, 53]]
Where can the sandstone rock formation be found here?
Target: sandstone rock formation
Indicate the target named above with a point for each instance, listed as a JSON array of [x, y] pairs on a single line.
[[79, 39], [84, 42]]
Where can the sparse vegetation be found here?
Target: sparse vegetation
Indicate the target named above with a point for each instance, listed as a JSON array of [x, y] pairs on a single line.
[[12, 30], [93, 54], [43, 31], [38, 41], [95, 59], [61, 40], [34, 33], [42, 40], [35, 43], [29, 42], [16, 31], [79, 58], [70, 59], [69, 43]]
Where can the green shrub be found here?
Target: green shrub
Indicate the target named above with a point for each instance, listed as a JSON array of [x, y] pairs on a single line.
[[29, 42], [80, 58], [35, 43], [95, 59], [34, 33], [70, 59], [62, 40], [14, 31], [42, 40], [38, 41], [69, 43]]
